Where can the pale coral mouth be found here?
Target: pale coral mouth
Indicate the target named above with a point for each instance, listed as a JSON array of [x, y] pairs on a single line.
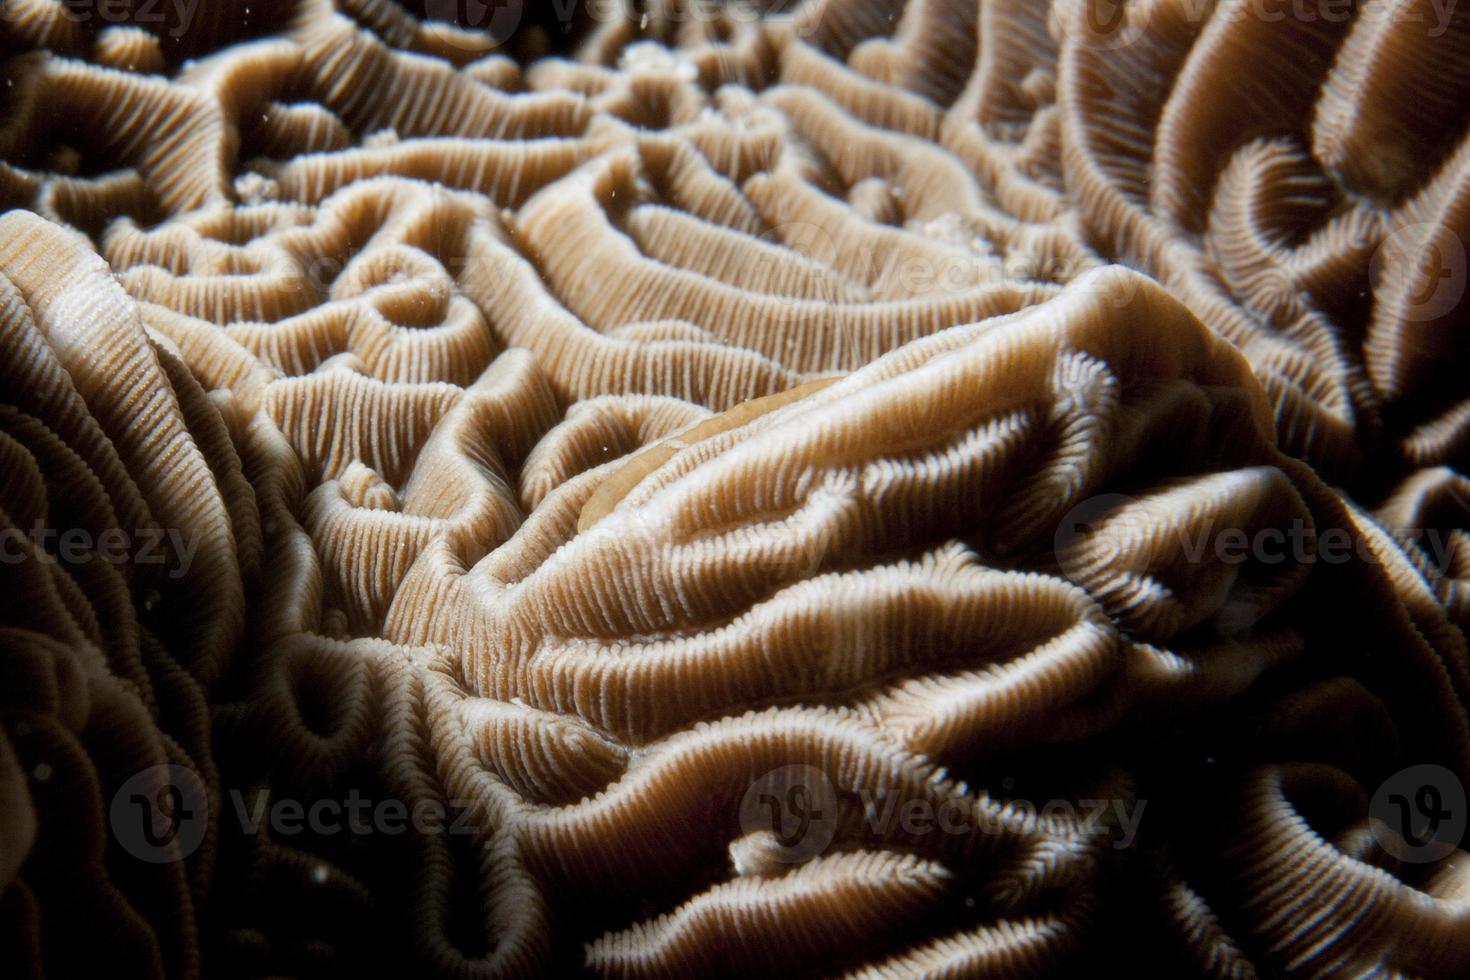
[[676, 487]]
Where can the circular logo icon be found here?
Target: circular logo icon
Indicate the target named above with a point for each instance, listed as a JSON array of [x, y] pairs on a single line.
[[497, 18], [1418, 814], [1101, 25], [160, 814], [797, 805], [1094, 532], [1425, 263], [800, 256]]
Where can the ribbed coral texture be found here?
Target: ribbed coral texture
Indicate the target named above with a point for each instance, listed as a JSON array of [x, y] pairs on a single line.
[[571, 441]]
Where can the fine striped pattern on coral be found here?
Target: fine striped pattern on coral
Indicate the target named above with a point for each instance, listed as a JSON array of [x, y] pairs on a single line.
[[578, 436]]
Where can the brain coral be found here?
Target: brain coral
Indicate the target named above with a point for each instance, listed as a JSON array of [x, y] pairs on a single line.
[[678, 487]]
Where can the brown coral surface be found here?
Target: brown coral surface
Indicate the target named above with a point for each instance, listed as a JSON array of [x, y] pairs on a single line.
[[962, 487]]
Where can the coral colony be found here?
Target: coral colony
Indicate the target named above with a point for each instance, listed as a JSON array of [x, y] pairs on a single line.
[[944, 487]]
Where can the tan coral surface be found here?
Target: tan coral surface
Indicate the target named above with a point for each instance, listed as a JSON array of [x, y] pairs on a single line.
[[739, 495]]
